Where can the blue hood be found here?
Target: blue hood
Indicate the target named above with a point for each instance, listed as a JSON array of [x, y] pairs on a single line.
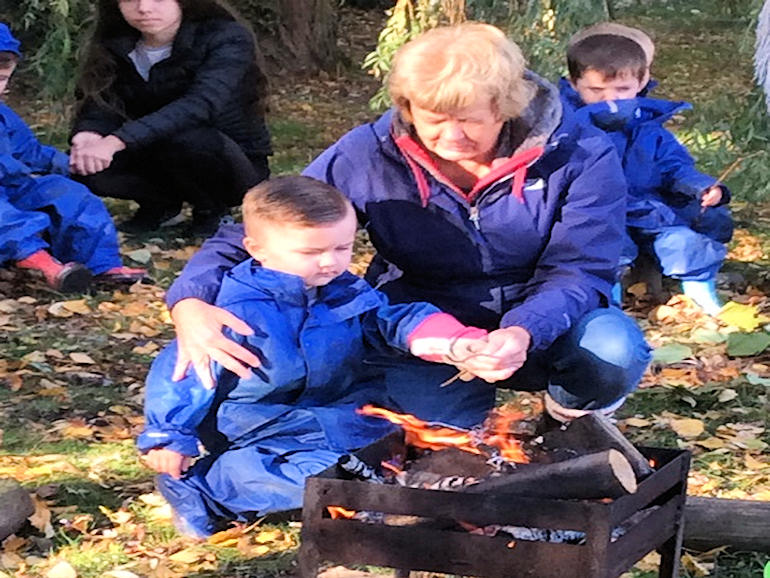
[[7, 41]]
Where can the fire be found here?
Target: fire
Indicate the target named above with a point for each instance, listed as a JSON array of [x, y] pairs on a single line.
[[426, 435], [339, 512]]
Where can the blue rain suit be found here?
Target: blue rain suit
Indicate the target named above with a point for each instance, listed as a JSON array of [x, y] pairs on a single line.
[[535, 244], [49, 211], [295, 415], [664, 214]]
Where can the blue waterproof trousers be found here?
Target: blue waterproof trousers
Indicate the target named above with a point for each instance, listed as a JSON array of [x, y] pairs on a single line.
[[56, 213]]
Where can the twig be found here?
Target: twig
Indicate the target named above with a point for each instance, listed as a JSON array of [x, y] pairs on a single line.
[[734, 165]]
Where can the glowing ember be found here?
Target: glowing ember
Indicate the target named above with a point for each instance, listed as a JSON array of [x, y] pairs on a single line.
[[338, 512], [422, 434]]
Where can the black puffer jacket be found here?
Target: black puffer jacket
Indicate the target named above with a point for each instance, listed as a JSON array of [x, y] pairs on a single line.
[[210, 79]]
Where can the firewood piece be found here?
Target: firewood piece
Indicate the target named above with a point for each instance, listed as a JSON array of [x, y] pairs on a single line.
[[604, 474], [15, 507], [740, 524], [595, 433]]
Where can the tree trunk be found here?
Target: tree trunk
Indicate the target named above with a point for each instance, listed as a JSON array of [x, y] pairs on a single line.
[[299, 35]]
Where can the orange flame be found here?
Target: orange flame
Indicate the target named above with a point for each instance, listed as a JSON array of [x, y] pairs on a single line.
[[422, 434], [339, 512]]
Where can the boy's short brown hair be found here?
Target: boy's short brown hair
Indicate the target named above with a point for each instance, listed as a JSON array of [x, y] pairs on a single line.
[[610, 54], [296, 200], [8, 60]]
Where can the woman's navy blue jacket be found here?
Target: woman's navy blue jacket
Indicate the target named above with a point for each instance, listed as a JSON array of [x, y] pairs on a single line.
[[210, 80], [535, 244], [311, 350]]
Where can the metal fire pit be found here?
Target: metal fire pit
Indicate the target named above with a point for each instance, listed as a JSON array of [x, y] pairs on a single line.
[[445, 548]]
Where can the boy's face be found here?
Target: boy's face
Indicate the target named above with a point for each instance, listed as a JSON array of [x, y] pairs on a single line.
[[5, 76], [593, 86], [318, 253]]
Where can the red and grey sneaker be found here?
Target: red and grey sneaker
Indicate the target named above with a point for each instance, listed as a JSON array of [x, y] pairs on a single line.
[[67, 278], [124, 276]]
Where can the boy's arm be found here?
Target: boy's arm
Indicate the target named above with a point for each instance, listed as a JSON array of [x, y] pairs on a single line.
[[30, 152], [173, 410], [678, 171]]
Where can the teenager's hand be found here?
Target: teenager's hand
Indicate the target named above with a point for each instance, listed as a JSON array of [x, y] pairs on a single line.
[[168, 462], [500, 356], [95, 155], [84, 137], [711, 197], [200, 340]]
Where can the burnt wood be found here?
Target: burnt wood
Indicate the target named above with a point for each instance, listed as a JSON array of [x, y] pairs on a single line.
[[594, 433], [714, 522], [604, 474]]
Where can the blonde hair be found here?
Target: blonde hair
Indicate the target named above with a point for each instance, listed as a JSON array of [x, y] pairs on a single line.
[[450, 67]]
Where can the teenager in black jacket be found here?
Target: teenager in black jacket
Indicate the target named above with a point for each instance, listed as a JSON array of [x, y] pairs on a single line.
[[171, 109]]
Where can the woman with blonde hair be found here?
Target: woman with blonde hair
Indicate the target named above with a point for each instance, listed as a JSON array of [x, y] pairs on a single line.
[[171, 109], [482, 198]]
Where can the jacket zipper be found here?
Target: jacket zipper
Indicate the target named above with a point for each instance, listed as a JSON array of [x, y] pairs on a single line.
[[473, 216]]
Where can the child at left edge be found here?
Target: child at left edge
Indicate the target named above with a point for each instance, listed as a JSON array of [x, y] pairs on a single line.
[[313, 325], [50, 223]]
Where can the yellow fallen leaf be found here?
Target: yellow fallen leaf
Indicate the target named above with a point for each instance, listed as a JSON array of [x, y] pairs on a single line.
[[636, 422], [81, 358], [62, 569], [260, 550], [146, 349], [186, 556], [744, 317], [59, 310], [687, 427], [77, 306], [754, 464], [120, 574], [712, 443], [41, 519], [268, 536], [10, 560]]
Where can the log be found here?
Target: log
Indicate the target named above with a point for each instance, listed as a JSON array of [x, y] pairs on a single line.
[[740, 524], [595, 433], [15, 507], [604, 474]]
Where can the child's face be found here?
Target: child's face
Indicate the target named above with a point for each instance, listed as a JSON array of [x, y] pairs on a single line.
[[318, 254], [5, 76], [593, 86]]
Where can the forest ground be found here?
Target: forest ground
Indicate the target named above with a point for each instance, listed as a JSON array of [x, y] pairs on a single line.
[[72, 368]]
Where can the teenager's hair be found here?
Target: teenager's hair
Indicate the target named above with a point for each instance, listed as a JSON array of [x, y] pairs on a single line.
[[450, 67], [98, 68], [295, 200], [8, 59], [609, 54]]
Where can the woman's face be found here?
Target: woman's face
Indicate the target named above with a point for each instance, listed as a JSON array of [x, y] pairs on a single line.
[[467, 134], [153, 18]]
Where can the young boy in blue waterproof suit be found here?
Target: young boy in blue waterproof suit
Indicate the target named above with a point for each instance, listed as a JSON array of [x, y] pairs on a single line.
[[674, 211], [312, 323], [49, 223]]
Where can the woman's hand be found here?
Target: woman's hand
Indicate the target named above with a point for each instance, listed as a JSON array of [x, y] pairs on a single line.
[[504, 352], [93, 155], [168, 462], [200, 339], [84, 137]]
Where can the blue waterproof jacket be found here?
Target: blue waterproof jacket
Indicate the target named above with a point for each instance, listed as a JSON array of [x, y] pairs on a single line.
[[311, 351], [534, 244], [664, 186], [42, 209]]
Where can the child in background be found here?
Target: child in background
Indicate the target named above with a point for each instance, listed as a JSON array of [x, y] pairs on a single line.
[[50, 223], [674, 211], [313, 324]]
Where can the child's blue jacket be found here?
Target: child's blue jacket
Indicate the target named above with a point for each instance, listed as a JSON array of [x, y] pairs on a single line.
[[21, 154], [535, 245], [312, 359], [664, 187]]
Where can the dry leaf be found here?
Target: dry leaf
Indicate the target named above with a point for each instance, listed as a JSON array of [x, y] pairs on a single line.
[[688, 427], [41, 519], [727, 395], [712, 443], [186, 556], [81, 358], [744, 317], [77, 306], [636, 422], [62, 569]]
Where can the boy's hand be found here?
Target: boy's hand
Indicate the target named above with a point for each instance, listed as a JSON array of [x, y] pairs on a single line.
[[84, 137], [168, 462], [503, 353], [711, 197], [200, 339], [95, 155]]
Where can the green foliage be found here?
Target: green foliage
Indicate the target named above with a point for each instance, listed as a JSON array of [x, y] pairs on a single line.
[[53, 31]]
